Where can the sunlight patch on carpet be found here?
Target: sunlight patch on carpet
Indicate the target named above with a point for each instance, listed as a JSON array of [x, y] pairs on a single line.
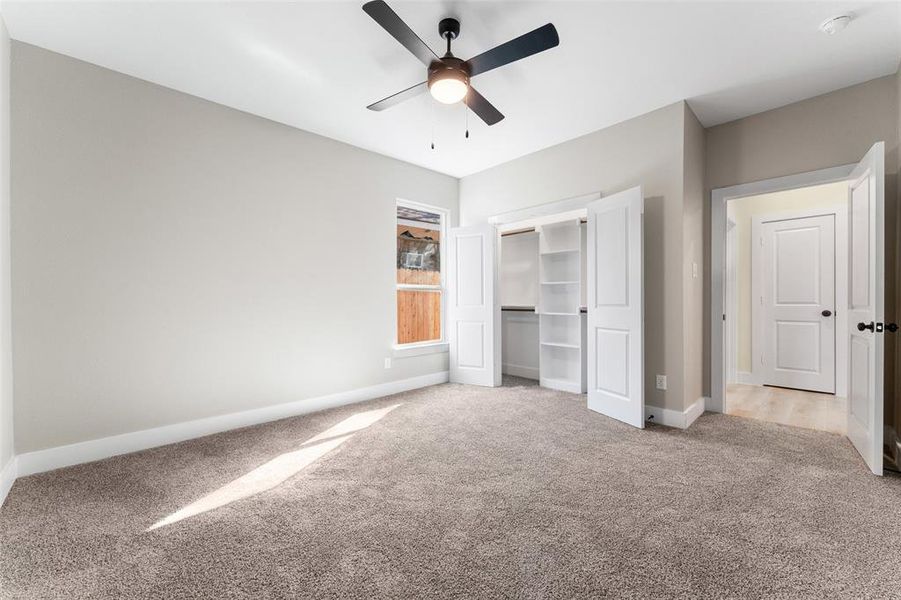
[[281, 468]]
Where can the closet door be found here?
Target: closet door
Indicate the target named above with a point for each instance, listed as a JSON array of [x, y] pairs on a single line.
[[615, 307], [474, 311]]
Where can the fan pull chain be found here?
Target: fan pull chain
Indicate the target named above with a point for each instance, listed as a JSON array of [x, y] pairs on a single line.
[[466, 112]]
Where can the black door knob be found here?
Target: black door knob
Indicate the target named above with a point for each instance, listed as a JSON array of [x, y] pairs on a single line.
[[862, 327], [826, 313], [893, 327]]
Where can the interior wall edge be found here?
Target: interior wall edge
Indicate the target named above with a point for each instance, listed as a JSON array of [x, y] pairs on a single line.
[[693, 322], [680, 419], [7, 411], [8, 475]]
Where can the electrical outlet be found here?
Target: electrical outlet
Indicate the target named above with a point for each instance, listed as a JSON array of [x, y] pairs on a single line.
[[387, 362], [661, 382]]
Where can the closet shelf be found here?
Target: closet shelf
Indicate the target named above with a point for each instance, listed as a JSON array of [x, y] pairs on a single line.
[[553, 252], [560, 282], [560, 345]]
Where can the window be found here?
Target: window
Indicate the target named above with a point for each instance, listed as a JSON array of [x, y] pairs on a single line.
[[420, 232]]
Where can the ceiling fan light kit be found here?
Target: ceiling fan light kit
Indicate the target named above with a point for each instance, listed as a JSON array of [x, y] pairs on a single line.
[[448, 83], [448, 77]]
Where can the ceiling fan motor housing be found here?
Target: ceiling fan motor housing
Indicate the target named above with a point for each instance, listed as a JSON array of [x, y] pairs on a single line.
[[448, 68]]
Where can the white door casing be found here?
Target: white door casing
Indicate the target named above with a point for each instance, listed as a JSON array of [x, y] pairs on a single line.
[[865, 302], [615, 307], [718, 200], [731, 301], [796, 291], [474, 311]]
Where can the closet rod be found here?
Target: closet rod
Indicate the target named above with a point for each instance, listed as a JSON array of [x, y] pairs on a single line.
[[518, 231], [530, 229]]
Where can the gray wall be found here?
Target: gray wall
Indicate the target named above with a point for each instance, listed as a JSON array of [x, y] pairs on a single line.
[[647, 151], [174, 259], [830, 130], [693, 254], [6, 372]]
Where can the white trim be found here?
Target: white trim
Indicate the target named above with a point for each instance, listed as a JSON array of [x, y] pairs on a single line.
[[410, 350], [520, 371], [420, 224], [718, 199], [694, 411], [675, 418], [442, 228], [73, 454], [424, 287], [503, 221], [8, 476], [732, 255], [564, 385]]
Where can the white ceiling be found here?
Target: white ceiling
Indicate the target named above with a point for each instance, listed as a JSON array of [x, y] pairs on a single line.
[[316, 65]]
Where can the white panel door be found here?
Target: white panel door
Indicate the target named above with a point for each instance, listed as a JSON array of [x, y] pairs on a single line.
[[615, 307], [866, 289], [798, 297], [474, 311]]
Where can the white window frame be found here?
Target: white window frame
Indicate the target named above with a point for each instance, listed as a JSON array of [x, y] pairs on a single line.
[[431, 346]]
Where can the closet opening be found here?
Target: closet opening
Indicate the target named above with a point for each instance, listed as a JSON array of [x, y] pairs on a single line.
[[542, 272]]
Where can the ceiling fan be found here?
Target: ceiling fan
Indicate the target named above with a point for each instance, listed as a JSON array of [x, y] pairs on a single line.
[[448, 76]]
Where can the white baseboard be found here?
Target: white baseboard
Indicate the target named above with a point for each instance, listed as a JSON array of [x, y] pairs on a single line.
[[7, 478], [563, 386], [675, 418], [520, 371], [82, 452], [694, 411]]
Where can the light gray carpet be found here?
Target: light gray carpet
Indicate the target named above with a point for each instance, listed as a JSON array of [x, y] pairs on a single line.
[[516, 492]]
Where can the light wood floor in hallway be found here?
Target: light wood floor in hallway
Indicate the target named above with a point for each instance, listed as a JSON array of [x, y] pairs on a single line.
[[823, 412]]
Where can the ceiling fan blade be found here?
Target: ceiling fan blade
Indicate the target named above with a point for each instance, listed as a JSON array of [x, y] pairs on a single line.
[[388, 19], [538, 40], [482, 107], [399, 97]]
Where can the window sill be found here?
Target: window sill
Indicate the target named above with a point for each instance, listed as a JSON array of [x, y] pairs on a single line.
[[409, 350]]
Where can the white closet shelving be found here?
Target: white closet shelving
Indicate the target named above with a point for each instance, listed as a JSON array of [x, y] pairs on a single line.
[[560, 323]]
